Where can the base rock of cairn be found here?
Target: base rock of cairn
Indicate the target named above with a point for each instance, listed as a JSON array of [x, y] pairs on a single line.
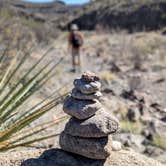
[[94, 148], [88, 132]]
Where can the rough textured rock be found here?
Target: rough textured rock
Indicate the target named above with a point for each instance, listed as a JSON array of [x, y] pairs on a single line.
[[92, 148], [78, 95], [81, 109], [90, 77], [87, 87], [100, 125], [57, 157]]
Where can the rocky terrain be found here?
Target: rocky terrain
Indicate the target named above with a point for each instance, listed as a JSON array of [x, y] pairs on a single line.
[[132, 15], [54, 12], [133, 77], [60, 158], [38, 23], [42, 23], [131, 67]]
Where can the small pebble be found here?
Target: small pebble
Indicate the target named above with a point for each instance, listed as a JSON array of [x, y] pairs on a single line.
[[116, 146]]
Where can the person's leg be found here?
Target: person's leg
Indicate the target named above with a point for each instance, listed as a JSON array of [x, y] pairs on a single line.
[[79, 58], [74, 60]]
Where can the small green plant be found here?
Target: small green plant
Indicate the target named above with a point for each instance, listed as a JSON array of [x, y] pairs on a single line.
[[160, 142], [13, 119], [30, 22], [131, 127], [5, 13]]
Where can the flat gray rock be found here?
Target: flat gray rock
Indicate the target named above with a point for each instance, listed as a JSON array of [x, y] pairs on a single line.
[[88, 147], [78, 95], [100, 125], [81, 109], [87, 87]]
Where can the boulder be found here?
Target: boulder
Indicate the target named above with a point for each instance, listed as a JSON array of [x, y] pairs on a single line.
[[58, 157], [87, 87], [81, 109], [100, 125], [88, 147], [78, 95]]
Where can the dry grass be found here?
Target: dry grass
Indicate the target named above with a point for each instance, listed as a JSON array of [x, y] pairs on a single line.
[[123, 111], [107, 76]]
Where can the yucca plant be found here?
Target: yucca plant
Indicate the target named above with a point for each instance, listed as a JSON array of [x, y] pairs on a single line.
[[13, 118]]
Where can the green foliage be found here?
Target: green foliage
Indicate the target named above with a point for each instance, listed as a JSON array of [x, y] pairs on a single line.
[[5, 13], [160, 142], [14, 119], [131, 127], [30, 22]]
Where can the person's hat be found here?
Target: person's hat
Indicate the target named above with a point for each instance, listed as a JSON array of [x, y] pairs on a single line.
[[74, 27]]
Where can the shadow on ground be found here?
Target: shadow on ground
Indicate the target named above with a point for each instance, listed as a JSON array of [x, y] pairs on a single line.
[[58, 157]]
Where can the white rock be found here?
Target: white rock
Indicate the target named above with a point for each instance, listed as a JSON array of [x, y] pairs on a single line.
[[116, 146]]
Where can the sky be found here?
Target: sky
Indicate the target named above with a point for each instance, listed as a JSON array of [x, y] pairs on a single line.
[[66, 1]]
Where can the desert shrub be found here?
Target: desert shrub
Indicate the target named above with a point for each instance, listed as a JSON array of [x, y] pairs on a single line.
[[107, 76], [160, 142], [14, 118], [30, 22], [127, 126], [5, 13]]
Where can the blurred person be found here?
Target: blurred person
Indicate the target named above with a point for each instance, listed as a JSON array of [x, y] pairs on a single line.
[[75, 43]]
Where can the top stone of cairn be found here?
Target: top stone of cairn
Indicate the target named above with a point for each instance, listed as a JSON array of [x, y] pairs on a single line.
[[88, 84], [90, 77]]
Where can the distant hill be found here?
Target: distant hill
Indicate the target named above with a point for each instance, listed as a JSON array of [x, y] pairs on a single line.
[[133, 15], [40, 21], [43, 21], [55, 12]]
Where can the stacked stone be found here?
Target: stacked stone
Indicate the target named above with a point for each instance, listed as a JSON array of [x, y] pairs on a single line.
[[88, 132]]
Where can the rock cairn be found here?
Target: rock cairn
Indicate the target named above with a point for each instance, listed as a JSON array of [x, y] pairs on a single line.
[[88, 132]]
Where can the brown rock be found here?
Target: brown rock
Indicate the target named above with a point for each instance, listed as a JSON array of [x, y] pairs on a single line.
[[90, 77]]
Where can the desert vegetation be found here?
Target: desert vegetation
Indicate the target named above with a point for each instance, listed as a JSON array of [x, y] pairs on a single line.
[[14, 117], [127, 54]]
